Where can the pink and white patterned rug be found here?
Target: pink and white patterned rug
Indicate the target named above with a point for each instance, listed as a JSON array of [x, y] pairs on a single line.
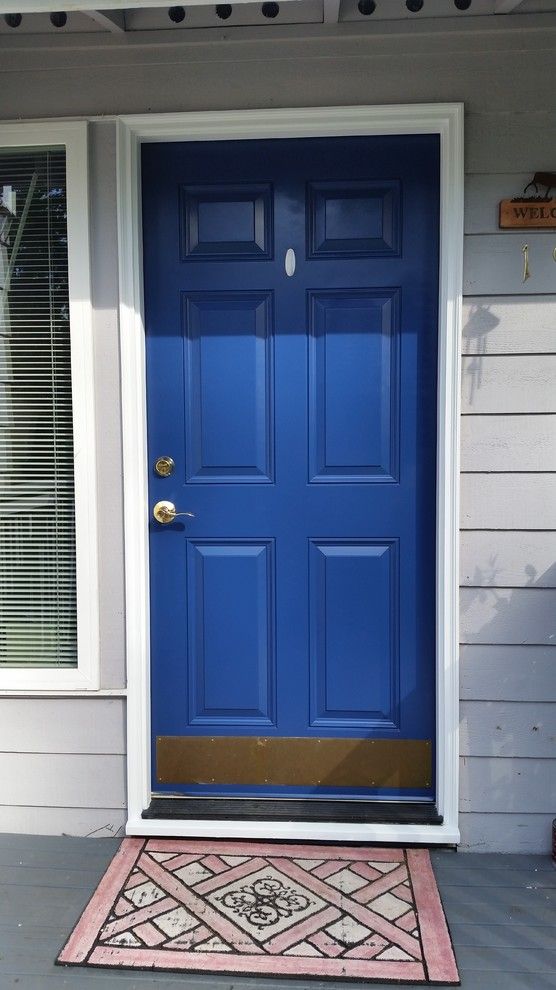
[[329, 912]]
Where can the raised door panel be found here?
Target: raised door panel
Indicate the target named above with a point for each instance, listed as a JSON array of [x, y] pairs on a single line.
[[231, 651], [228, 345], [354, 386], [354, 219], [225, 222], [354, 634]]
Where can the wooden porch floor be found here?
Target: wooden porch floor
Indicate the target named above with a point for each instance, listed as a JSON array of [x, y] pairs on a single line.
[[501, 910]]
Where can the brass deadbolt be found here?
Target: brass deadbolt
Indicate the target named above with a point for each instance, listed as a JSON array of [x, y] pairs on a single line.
[[164, 466]]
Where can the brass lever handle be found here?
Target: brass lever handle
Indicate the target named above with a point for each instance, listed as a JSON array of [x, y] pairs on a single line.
[[165, 512]]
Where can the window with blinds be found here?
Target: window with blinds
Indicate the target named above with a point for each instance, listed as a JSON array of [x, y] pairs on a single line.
[[38, 609]]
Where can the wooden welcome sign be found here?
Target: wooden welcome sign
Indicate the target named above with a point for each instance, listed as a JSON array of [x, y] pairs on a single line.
[[531, 211], [518, 213]]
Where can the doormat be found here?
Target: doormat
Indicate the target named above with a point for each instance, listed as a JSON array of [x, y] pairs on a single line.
[[264, 909]]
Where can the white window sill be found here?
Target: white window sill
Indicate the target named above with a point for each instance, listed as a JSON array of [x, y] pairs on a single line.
[[70, 692]]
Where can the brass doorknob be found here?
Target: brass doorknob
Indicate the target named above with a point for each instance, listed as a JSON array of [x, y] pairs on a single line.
[[165, 512]]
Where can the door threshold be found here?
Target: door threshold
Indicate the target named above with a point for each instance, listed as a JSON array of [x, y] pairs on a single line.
[[247, 809]]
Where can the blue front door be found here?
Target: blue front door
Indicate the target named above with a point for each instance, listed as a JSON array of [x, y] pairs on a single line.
[[291, 317]]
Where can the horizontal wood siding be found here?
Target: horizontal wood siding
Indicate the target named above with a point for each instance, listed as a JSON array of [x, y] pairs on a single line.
[[499, 728], [57, 725], [508, 558], [62, 765], [509, 784], [498, 443], [494, 262], [508, 501], [482, 195], [100, 822], [516, 831], [508, 510], [509, 383], [502, 69], [62, 780], [509, 325], [510, 140], [507, 673], [516, 616]]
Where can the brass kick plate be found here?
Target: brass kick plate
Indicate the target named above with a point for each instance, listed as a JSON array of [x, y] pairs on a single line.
[[294, 762]]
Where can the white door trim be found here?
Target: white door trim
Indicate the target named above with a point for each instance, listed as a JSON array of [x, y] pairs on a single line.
[[447, 121]]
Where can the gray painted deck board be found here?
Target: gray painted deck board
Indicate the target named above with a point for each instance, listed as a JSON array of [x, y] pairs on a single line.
[[499, 960], [24, 876], [496, 936], [63, 852], [447, 859], [500, 908], [499, 905], [487, 980], [476, 877]]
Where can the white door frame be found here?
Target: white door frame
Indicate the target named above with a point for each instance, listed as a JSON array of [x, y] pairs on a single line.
[[447, 121]]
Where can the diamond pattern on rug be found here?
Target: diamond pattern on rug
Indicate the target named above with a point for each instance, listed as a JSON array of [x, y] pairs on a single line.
[[176, 922], [347, 931], [267, 909], [346, 881], [144, 894]]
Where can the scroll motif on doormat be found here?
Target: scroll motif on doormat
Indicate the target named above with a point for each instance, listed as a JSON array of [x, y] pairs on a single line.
[[251, 908]]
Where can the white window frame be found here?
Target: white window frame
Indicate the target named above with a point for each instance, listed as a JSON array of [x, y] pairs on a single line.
[[86, 675], [446, 120]]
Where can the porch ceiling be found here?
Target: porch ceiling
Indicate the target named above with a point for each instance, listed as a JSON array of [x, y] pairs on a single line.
[[109, 16]]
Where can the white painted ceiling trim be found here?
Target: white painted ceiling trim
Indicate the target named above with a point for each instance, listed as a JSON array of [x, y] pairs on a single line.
[[46, 6], [331, 14], [114, 20], [506, 6]]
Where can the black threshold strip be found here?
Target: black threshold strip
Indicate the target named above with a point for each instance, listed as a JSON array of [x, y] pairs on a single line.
[[248, 809]]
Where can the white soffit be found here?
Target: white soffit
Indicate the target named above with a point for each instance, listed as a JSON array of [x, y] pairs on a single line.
[[109, 16]]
